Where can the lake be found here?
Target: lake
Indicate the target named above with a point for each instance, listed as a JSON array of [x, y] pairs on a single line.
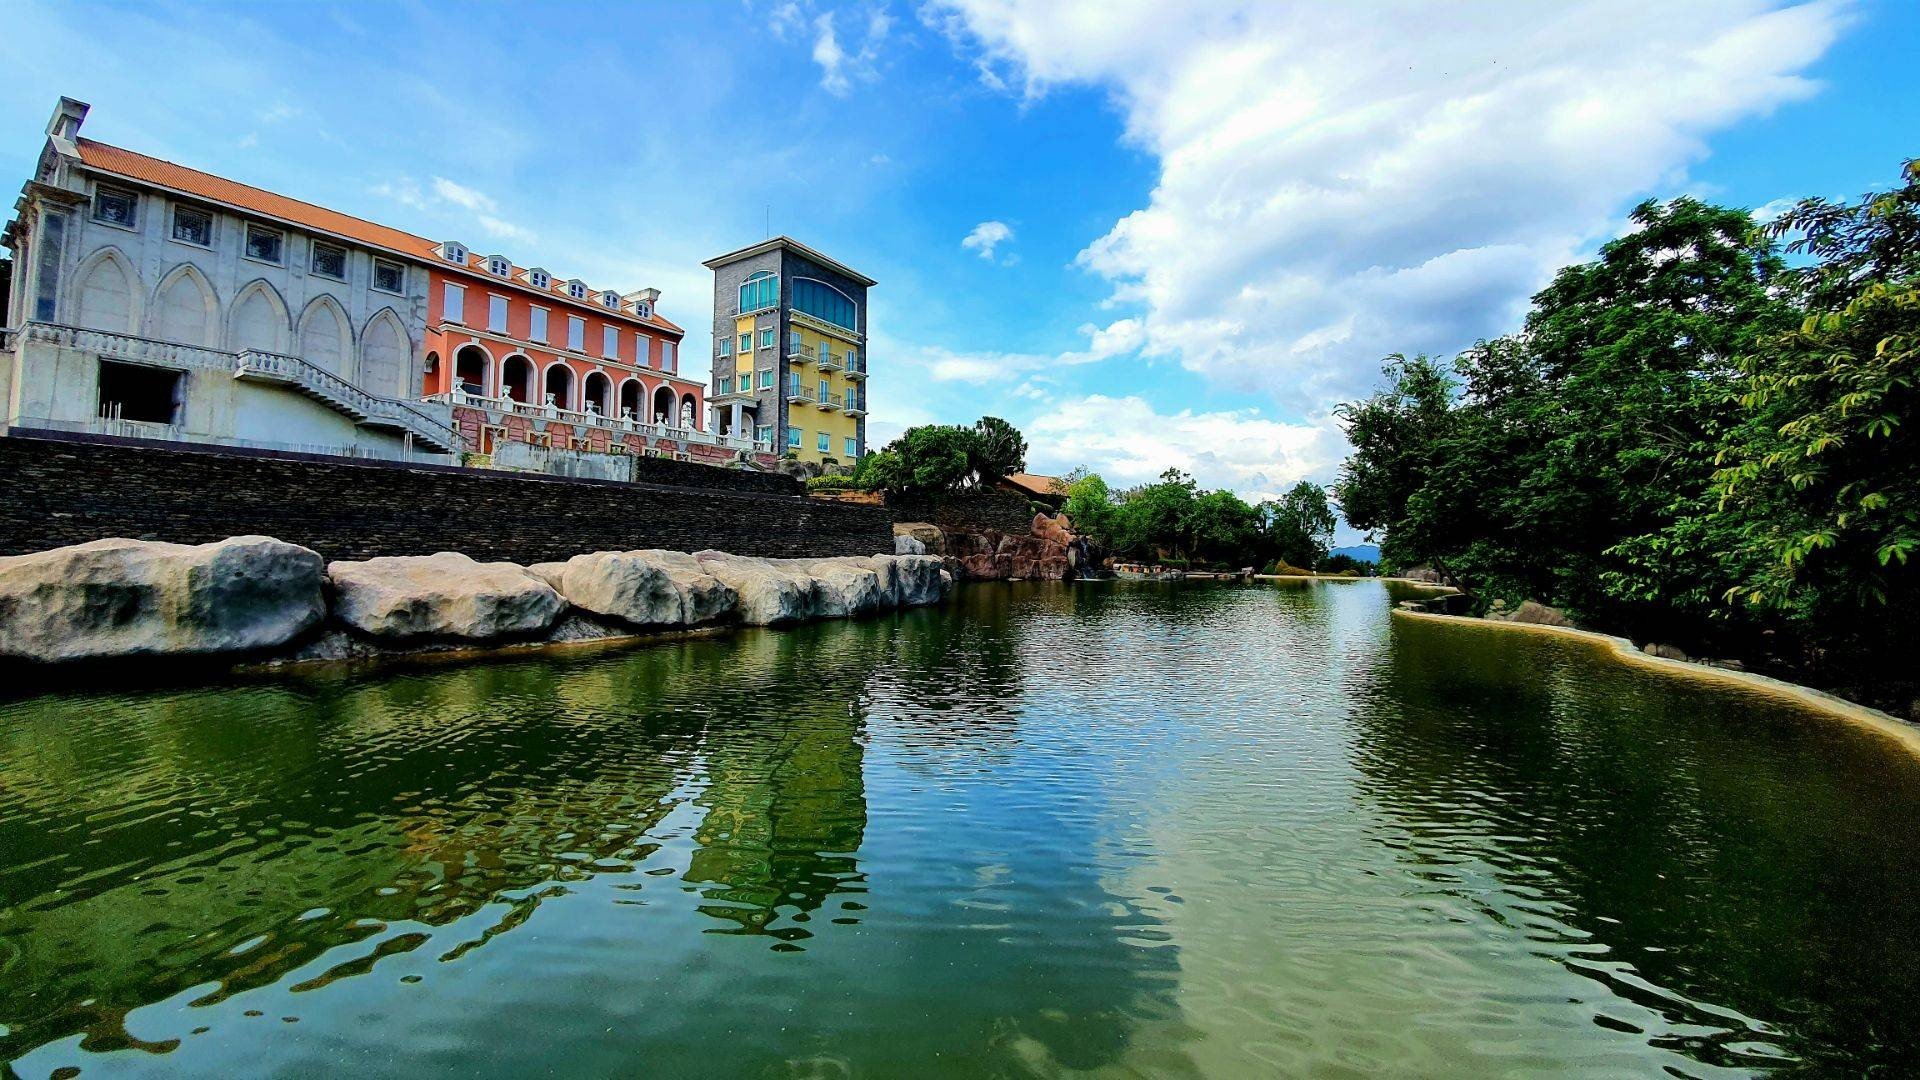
[[1042, 830]]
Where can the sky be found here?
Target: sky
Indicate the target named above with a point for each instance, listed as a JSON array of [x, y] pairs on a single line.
[[1149, 235]]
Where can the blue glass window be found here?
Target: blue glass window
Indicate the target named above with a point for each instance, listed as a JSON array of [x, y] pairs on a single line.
[[793, 437], [823, 301], [762, 290]]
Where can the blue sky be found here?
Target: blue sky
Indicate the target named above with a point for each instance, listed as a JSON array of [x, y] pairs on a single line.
[[1193, 235]]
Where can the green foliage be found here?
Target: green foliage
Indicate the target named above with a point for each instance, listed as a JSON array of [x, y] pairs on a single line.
[[937, 458], [832, 483], [1171, 520], [1689, 439], [998, 450]]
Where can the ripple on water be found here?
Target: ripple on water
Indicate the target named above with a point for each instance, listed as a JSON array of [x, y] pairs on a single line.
[[1115, 830]]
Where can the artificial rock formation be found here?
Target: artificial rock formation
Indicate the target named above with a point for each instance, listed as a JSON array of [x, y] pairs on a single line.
[[447, 595], [146, 598], [644, 588]]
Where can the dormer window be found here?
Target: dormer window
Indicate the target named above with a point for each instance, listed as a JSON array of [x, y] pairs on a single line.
[[454, 253], [539, 279], [643, 308], [610, 299], [499, 267], [577, 289]]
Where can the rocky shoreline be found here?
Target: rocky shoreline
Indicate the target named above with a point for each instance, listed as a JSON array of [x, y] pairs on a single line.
[[255, 600]]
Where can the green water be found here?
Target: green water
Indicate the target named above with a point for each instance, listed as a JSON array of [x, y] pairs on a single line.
[[1097, 830]]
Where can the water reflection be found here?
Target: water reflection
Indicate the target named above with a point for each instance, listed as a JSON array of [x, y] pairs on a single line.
[[1718, 864]]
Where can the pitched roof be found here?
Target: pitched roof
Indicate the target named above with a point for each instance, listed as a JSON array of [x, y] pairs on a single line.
[[151, 170], [1036, 484]]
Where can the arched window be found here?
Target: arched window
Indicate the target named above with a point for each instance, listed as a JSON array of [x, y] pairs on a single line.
[[385, 356], [761, 290], [823, 301], [185, 310], [516, 379], [690, 412], [559, 386], [599, 392], [630, 398], [470, 370], [663, 405], [107, 297]]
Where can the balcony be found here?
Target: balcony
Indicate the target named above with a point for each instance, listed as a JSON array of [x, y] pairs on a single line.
[[856, 368], [828, 401], [801, 395], [828, 361], [799, 353], [856, 406]]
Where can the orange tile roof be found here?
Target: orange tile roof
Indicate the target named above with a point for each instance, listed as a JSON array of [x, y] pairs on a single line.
[[166, 174], [1037, 484]]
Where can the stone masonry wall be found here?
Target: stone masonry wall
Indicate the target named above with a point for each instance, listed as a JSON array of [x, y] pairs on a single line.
[[976, 510], [62, 490]]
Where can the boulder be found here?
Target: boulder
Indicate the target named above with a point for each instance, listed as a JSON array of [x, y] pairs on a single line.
[[112, 598], [845, 587], [923, 579], [769, 591], [443, 595], [1053, 530], [929, 535], [904, 544], [644, 588], [1539, 614], [1665, 652]]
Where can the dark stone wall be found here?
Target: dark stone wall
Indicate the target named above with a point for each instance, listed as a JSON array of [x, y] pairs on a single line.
[[973, 510], [60, 490]]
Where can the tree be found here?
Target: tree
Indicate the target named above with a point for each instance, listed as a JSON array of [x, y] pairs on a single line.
[[1300, 525], [1157, 517], [1397, 437], [1090, 506], [999, 450], [931, 458]]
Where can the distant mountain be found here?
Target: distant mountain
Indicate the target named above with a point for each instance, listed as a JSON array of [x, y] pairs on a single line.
[[1363, 552]]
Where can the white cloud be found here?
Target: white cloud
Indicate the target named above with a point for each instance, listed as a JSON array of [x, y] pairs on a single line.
[[1340, 182], [1773, 210], [840, 66], [987, 236], [831, 58], [945, 365], [1127, 441], [442, 195]]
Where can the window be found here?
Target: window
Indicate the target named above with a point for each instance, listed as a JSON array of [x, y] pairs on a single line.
[[576, 333], [724, 386], [826, 351], [538, 330], [853, 446], [746, 343], [453, 307], [539, 279], [793, 384], [643, 350], [454, 253], [192, 225], [264, 244], [499, 266], [328, 261], [643, 308], [826, 442], [389, 276], [766, 378], [114, 205], [766, 338], [763, 433], [577, 290], [610, 299], [667, 361], [144, 394], [853, 358], [610, 342], [793, 438], [496, 313], [823, 301], [762, 290], [825, 391], [726, 346]]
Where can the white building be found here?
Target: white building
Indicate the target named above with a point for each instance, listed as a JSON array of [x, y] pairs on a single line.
[[153, 300]]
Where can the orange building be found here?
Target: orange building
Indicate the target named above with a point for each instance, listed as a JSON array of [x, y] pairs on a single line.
[[526, 357]]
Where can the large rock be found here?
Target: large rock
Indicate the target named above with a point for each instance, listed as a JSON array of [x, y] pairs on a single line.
[[922, 579], [113, 598], [904, 544], [645, 588], [1531, 611], [929, 535], [769, 592], [846, 586], [443, 595]]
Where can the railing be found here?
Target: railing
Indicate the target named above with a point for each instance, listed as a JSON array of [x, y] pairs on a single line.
[[829, 400], [140, 429], [856, 406], [797, 351], [625, 423], [800, 394], [310, 378], [856, 366], [828, 361]]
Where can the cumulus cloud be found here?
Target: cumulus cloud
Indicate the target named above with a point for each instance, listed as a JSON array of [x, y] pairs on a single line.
[[1129, 442], [1342, 181], [946, 365], [839, 68], [987, 236]]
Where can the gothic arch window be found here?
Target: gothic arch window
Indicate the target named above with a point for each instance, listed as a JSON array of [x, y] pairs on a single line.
[[385, 356], [107, 298], [259, 320], [184, 308], [325, 341]]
